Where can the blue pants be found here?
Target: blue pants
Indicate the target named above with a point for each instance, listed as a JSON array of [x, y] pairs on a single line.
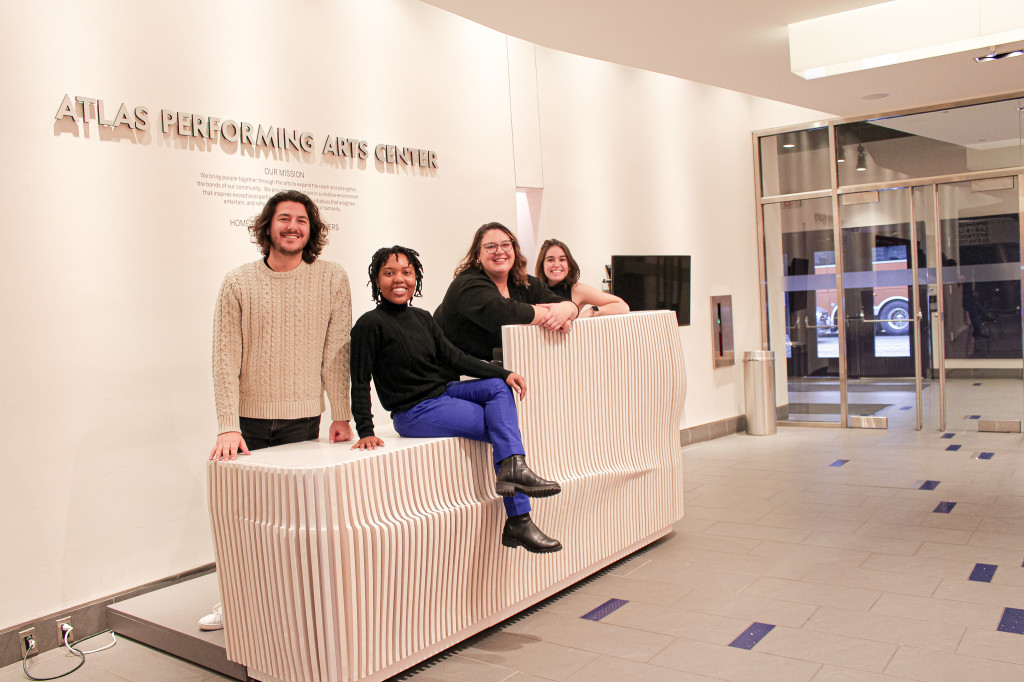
[[482, 410]]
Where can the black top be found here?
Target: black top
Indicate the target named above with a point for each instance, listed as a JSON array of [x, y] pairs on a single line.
[[562, 289], [473, 310], [404, 350]]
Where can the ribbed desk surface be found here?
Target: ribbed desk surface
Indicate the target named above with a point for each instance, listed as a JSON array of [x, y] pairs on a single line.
[[317, 454], [344, 565]]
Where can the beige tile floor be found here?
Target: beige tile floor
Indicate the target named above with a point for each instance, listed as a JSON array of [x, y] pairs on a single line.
[[860, 577]]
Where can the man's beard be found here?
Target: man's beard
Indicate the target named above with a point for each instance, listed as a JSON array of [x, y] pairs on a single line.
[[282, 248]]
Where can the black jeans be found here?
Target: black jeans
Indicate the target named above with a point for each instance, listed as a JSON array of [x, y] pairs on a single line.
[[265, 433]]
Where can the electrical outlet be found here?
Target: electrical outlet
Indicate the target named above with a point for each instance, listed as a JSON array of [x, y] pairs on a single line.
[[60, 630], [24, 637]]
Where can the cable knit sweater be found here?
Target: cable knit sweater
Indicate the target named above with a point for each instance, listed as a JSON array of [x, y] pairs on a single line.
[[279, 340]]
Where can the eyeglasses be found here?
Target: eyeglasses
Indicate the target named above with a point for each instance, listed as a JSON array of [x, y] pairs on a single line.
[[491, 247]]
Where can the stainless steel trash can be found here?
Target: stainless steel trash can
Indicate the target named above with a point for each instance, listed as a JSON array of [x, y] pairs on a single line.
[[759, 391]]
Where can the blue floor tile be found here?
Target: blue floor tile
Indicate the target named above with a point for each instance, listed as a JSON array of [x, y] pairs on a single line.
[[983, 573], [944, 508], [839, 462], [929, 485], [974, 416], [1013, 621], [907, 407], [947, 435], [754, 634], [986, 455], [977, 384], [953, 448], [604, 609]]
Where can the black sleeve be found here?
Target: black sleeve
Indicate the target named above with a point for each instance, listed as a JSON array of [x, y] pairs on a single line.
[[480, 301], [365, 339], [461, 362]]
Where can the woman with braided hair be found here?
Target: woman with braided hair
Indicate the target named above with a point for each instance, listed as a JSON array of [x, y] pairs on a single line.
[[404, 351]]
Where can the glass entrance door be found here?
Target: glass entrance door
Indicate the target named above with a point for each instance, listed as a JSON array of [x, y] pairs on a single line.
[[892, 273], [800, 261], [884, 245], [979, 238]]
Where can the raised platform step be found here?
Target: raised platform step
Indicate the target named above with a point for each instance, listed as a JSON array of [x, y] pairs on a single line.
[[166, 619]]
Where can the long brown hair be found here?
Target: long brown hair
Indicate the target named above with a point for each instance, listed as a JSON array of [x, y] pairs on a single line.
[[517, 275], [571, 277], [317, 230]]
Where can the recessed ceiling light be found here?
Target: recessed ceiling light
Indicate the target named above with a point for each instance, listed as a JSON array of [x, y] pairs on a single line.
[[993, 55], [876, 95], [788, 145]]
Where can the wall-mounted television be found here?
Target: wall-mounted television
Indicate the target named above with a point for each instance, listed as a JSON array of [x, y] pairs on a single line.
[[653, 283]]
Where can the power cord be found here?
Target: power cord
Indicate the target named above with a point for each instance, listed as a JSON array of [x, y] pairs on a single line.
[[66, 629], [32, 645], [113, 641]]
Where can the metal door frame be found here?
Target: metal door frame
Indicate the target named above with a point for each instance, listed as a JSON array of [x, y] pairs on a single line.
[[952, 180], [915, 320], [917, 314]]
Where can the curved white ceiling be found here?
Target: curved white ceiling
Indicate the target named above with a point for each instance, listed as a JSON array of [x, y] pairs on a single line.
[[740, 45]]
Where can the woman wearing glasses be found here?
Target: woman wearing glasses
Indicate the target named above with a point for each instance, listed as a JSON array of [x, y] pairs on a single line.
[[491, 288]]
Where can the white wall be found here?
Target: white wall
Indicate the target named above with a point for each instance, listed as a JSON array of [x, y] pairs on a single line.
[[106, 407], [641, 163]]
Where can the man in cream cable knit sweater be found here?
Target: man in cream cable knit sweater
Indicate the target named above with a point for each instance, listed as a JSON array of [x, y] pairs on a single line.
[[280, 338]]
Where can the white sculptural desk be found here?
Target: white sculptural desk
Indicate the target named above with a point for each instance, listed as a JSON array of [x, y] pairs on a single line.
[[341, 565]]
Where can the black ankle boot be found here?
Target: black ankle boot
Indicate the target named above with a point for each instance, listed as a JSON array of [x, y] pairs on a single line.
[[521, 531], [514, 476]]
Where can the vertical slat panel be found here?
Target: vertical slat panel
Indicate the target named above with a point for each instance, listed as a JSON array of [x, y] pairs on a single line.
[[355, 568]]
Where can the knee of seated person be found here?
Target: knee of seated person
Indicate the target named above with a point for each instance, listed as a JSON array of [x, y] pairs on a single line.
[[496, 386]]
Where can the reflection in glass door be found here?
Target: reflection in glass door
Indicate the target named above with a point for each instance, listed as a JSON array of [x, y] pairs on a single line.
[[981, 302], [883, 245], [800, 264]]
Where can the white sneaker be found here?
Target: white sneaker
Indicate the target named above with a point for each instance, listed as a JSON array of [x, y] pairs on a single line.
[[213, 621]]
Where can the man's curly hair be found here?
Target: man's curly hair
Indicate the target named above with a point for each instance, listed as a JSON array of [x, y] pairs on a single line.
[[380, 257], [260, 229]]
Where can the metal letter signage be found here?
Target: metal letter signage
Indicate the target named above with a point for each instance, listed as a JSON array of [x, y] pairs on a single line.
[[81, 111]]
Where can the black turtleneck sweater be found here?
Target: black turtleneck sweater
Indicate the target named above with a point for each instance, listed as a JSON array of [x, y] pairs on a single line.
[[403, 350], [562, 289]]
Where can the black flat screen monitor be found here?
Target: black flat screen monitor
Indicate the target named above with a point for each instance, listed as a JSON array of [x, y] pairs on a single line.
[[653, 283]]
